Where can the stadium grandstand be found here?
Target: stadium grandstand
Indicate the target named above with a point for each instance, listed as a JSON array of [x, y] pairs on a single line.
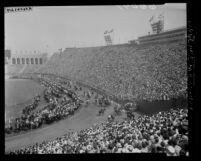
[[159, 70], [120, 98], [102, 66]]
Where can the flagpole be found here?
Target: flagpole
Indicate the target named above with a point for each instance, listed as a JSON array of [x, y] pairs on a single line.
[[113, 36], [163, 19]]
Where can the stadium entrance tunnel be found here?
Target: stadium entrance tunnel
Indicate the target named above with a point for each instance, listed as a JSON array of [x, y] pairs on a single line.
[[145, 107]]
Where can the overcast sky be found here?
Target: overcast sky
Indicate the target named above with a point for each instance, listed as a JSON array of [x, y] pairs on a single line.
[[51, 28]]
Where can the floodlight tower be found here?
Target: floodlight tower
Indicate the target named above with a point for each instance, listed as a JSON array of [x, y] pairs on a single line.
[[109, 37], [157, 25]]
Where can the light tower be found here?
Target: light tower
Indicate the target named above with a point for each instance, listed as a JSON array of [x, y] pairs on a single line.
[[157, 25], [109, 37]]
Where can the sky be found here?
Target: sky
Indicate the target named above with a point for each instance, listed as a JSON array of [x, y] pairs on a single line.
[[47, 29]]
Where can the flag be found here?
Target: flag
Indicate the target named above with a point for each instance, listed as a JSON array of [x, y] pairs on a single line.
[[151, 19]]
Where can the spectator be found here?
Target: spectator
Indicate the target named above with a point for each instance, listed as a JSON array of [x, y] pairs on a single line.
[[111, 137]]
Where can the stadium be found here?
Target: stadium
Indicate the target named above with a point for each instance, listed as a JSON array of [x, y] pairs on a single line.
[[114, 98]]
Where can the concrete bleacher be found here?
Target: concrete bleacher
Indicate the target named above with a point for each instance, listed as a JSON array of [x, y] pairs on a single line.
[[31, 69], [123, 70], [13, 69]]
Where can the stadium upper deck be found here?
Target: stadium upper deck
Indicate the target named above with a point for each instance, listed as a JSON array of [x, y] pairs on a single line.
[[177, 34], [28, 58]]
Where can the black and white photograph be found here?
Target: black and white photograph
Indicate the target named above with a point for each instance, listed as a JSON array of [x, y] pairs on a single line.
[[96, 79]]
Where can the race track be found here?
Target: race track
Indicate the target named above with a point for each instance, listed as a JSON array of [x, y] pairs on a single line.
[[83, 119]]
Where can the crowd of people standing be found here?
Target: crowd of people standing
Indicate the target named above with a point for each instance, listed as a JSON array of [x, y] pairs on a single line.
[[165, 132], [60, 103], [62, 98]]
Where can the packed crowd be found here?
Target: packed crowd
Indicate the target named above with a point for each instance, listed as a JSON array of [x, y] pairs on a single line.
[[164, 132], [28, 109], [62, 98], [148, 73], [61, 103], [151, 73], [156, 72]]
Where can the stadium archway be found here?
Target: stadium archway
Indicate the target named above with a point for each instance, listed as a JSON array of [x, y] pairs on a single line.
[[38, 59]]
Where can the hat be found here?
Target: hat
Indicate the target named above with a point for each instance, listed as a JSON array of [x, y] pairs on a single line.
[[177, 149], [185, 137], [122, 140], [151, 137], [170, 150], [125, 145], [136, 150], [81, 151], [124, 150], [89, 147], [84, 148], [118, 145], [130, 147], [119, 150]]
